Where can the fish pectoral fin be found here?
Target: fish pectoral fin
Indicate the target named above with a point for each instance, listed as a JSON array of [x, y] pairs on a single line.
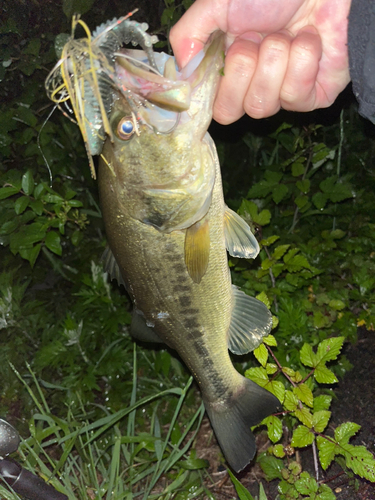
[[250, 322], [140, 331], [197, 249], [239, 240], [111, 267]]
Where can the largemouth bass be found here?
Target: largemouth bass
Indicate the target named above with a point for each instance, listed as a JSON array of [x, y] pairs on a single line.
[[169, 231]]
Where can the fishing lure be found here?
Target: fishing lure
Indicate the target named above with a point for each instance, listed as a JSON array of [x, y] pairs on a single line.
[[86, 74]]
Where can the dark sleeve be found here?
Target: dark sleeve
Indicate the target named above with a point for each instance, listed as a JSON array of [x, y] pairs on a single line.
[[361, 47]]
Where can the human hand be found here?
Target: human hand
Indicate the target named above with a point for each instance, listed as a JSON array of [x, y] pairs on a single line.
[[280, 53]]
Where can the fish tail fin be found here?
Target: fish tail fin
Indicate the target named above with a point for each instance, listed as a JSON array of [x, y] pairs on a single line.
[[232, 419]]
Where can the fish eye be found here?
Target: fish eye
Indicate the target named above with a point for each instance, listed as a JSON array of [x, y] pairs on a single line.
[[125, 128]]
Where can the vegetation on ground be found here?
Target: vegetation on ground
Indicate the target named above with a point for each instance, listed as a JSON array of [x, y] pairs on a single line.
[[104, 418]]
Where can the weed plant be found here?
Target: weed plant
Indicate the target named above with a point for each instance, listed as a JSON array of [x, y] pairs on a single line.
[[105, 419]]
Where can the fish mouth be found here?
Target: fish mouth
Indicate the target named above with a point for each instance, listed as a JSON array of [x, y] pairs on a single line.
[[162, 99]]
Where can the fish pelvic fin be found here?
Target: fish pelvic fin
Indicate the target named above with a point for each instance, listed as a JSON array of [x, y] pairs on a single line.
[[250, 322], [197, 249], [111, 267], [232, 419], [141, 331], [239, 240]]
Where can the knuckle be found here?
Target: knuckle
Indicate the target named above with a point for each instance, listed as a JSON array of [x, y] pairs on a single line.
[[276, 45], [259, 108], [242, 60]]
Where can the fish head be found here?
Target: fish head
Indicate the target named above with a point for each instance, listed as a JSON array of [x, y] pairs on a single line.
[[163, 166]]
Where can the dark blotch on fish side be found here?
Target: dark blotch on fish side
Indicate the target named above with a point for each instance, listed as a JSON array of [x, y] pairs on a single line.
[[185, 301], [181, 288], [192, 323]]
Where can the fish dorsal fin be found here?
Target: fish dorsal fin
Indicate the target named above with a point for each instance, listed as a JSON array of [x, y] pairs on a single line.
[[111, 267], [250, 322], [197, 249], [141, 331], [239, 239]]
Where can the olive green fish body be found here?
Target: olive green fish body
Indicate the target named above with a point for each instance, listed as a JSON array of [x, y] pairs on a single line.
[[191, 318]]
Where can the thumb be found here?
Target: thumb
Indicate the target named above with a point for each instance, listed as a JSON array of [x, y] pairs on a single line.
[[192, 31]]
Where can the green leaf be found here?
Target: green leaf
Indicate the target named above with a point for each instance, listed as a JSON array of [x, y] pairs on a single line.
[[24, 113], [297, 263], [326, 451], [307, 356], [242, 492], [277, 388], [263, 298], [8, 191], [262, 493], [263, 218], [304, 185], [257, 375], [301, 201], [337, 304], [27, 236], [271, 368], [31, 253], [329, 349], [261, 354], [320, 200], [269, 241], [303, 414], [279, 251], [52, 242], [33, 47], [345, 431], [306, 485], [303, 392], [274, 428], [322, 402], [193, 463], [302, 436], [28, 183], [298, 169], [9, 227], [324, 376], [271, 466], [38, 191], [270, 340], [21, 204], [360, 460], [71, 7], [36, 206], [325, 493], [278, 451], [291, 401], [337, 234], [320, 420], [279, 192]]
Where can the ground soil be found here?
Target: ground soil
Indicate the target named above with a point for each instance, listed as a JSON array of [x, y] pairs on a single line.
[[355, 403]]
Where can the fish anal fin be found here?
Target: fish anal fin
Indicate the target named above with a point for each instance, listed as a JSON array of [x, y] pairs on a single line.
[[239, 239], [111, 267], [141, 331], [197, 249], [250, 322], [232, 419]]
